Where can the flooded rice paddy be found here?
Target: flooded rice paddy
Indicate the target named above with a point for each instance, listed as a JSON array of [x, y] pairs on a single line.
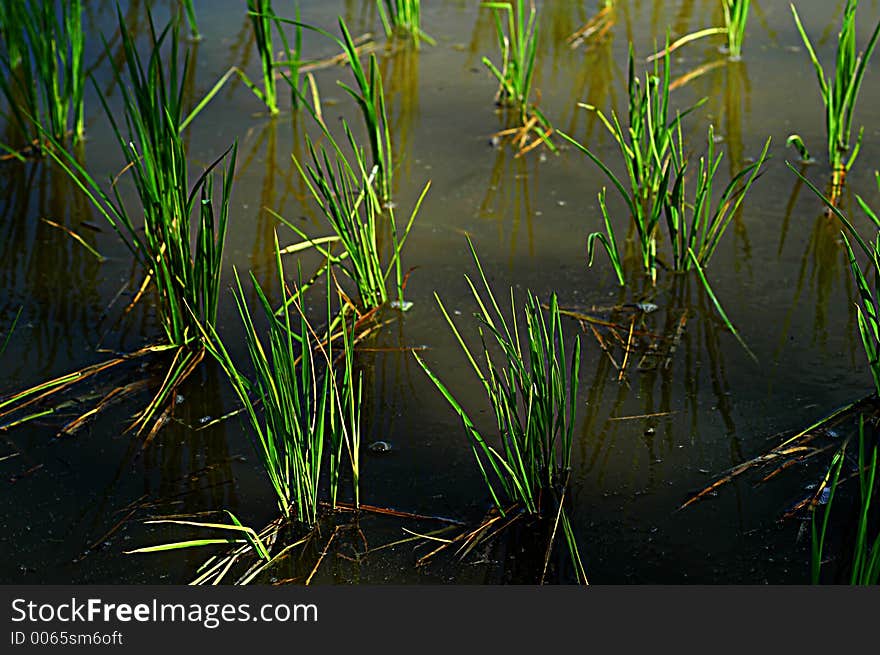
[[644, 442]]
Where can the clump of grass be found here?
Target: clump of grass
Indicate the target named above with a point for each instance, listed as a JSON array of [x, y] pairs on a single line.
[[645, 146], [263, 21], [533, 397], [736, 13], [41, 70], [518, 40], [346, 196], [307, 415], [405, 17], [839, 93], [703, 231], [864, 564], [171, 218]]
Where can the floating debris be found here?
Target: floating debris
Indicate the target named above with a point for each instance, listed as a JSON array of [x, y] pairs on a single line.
[[380, 447], [404, 306]]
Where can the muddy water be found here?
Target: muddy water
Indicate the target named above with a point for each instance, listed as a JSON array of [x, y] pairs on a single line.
[[73, 505]]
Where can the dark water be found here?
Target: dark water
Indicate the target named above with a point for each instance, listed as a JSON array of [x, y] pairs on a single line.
[[780, 272]]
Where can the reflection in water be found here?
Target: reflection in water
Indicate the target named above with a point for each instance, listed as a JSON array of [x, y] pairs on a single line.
[[400, 73], [44, 269], [265, 148], [649, 392], [730, 101], [822, 265], [508, 199], [594, 84]]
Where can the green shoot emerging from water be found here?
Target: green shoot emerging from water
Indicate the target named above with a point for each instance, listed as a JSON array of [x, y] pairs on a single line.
[[839, 93], [736, 13], [703, 232], [534, 401], [347, 198], [191, 20], [533, 398], [306, 413], [518, 41], [405, 17], [646, 148], [161, 233]]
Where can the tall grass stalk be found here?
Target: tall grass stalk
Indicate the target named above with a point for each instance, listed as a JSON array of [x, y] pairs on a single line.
[[42, 77], [310, 402], [607, 240], [531, 393], [645, 146], [191, 20], [534, 400], [370, 98], [403, 16], [176, 235], [839, 93]]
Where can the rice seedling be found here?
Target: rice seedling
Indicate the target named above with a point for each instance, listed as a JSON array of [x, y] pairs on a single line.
[[306, 417], [864, 563], [518, 40], [41, 71], [263, 20], [703, 232], [405, 17], [645, 146], [533, 399], [736, 13], [346, 196], [839, 93], [186, 279]]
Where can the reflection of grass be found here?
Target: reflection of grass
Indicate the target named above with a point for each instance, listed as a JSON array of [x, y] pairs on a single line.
[[869, 307]]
